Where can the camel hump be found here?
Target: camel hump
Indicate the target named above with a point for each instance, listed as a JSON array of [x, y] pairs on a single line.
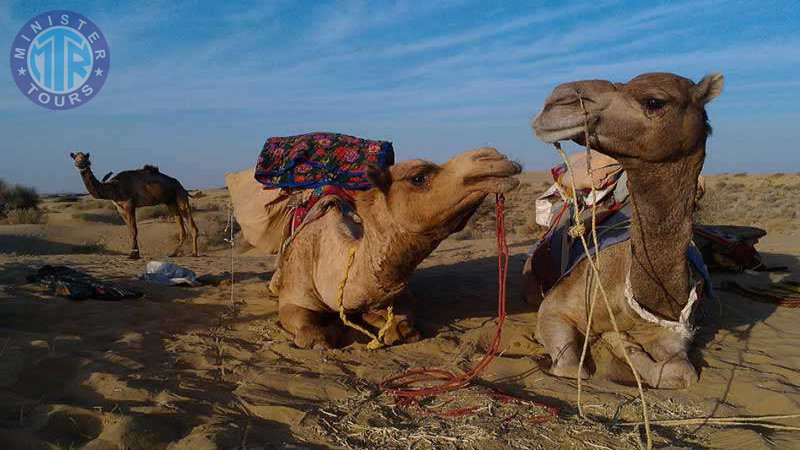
[[151, 169]]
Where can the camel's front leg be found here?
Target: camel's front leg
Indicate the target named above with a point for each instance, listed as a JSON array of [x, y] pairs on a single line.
[[311, 329], [401, 330], [128, 213], [562, 341]]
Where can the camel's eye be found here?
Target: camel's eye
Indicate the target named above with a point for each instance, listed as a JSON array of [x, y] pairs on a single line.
[[419, 179], [654, 104]]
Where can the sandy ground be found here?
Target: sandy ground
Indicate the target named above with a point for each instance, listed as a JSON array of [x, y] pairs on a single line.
[[210, 367]]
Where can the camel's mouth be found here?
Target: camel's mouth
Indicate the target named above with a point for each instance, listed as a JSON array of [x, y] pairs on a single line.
[[496, 178], [552, 125]]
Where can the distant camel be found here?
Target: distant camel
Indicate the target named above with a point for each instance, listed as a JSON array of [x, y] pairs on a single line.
[[131, 189]]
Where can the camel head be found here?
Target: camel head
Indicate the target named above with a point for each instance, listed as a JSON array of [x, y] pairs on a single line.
[[424, 198], [81, 160], [654, 117]]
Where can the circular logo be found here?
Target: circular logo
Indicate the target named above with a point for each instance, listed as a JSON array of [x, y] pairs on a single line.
[[60, 60]]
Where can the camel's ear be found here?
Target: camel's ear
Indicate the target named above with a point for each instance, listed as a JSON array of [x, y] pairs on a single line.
[[87, 155], [379, 176], [72, 155], [709, 87]]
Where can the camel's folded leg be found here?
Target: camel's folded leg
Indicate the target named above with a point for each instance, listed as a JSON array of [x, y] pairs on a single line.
[[674, 370], [670, 369], [563, 342], [311, 329], [401, 330]]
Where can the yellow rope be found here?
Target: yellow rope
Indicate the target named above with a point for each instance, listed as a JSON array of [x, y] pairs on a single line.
[[377, 341]]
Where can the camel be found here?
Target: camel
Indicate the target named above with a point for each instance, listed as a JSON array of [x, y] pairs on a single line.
[[656, 126], [412, 206], [131, 189]]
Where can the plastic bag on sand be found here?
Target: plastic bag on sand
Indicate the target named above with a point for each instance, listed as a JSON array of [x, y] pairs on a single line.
[[167, 273], [260, 212]]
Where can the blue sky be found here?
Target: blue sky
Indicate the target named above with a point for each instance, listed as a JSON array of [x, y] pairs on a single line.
[[196, 87]]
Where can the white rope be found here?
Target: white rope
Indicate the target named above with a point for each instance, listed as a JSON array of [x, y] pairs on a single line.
[[682, 326]]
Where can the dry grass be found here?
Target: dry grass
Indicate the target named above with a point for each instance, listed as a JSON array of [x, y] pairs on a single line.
[[93, 203], [23, 216], [113, 219], [153, 212], [370, 419], [18, 196], [214, 234], [767, 201]]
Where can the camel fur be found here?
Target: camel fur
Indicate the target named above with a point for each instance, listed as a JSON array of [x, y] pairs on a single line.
[[656, 126], [131, 189], [413, 206]]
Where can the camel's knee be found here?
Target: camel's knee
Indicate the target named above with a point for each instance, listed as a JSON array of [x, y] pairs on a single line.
[[308, 327], [676, 373], [563, 342], [400, 331]]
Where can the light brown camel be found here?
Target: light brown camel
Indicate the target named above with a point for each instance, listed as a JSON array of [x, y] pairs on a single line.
[[656, 126], [414, 205], [131, 189]]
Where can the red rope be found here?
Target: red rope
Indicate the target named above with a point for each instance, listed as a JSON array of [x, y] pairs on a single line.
[[401, 385]]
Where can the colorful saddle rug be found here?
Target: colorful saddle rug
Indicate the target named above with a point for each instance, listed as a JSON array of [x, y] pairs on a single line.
[[314, 160]]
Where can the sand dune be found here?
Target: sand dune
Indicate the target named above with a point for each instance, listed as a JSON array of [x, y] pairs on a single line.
[[204, 367]]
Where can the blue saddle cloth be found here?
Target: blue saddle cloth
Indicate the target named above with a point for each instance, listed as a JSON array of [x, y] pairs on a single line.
[[556, 254]]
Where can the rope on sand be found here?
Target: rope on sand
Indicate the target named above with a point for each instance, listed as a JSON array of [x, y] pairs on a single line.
[[402, 385], [755, 421]]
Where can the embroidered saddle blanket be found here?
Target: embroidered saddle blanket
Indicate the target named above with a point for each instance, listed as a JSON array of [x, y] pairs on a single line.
[[314, 160]]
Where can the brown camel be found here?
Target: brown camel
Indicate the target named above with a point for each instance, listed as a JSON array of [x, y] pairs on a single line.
[[414, 205], [131, 189], [656, 126]]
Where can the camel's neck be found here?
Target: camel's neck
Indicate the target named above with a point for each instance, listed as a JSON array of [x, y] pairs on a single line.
[[662, 196], [391, 253], [94, 186]]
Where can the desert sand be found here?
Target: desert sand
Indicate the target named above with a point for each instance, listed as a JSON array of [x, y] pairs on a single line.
[[209, 366]]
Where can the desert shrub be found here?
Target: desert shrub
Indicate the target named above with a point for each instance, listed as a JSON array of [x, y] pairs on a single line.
[[94, 203], [22, 216], [215, 233], [18, 196], [70, 198], [102, 218], [211, 207], [153, 212]]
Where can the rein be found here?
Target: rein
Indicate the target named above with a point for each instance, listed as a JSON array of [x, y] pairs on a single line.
[[402, 385]]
